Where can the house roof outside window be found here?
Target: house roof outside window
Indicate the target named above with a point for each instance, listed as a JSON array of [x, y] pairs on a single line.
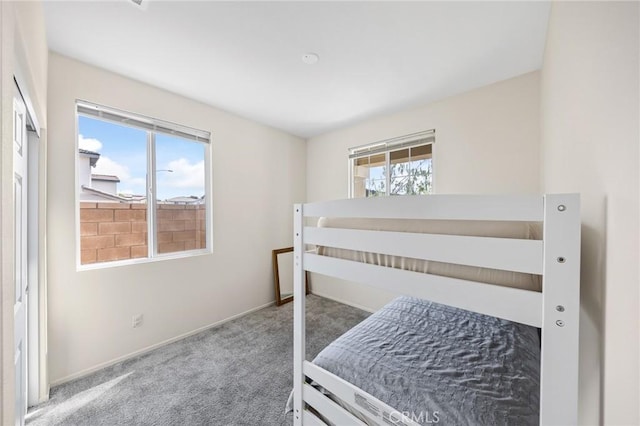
[[105, 178]]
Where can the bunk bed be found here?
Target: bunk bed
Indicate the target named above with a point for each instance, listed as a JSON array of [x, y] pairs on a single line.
[[495, 343]]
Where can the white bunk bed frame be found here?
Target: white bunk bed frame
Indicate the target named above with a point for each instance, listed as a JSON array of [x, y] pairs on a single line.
[[555, 310]]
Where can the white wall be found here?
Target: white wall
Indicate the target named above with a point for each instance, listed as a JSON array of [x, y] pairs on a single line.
[[31, 53], [84, 170], [487, 141], [23, 51], [107, 186], [589, 100], [258, 173]]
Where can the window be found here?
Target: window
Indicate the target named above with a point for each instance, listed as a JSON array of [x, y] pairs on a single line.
[[399, 166], [143, 188]]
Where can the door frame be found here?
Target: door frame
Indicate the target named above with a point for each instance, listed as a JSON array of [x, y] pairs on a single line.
[[33, 272], [20, 168]]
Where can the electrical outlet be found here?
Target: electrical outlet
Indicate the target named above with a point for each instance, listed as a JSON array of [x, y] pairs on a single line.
[[137, 321]]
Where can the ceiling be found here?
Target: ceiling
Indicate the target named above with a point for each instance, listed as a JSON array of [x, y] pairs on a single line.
[[246, 57]]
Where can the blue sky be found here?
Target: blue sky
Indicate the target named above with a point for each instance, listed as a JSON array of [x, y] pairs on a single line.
[[124, 154]]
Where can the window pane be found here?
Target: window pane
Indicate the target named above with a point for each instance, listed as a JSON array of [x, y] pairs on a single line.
[[360, 173], [376, 187], [399, 178], [180, 194], [393, 167], [410, 172], [421, 152], [112, 168], [421, 169], [369, 176], [400, 156]]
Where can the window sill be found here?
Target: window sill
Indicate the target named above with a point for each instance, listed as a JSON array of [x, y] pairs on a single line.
[[129, 262]]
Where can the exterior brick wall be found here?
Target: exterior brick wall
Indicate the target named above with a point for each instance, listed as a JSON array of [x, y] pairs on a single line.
[[180, 227], [118, 231]]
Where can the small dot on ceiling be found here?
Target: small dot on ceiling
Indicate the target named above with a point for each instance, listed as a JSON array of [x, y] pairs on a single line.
[[310, 58]]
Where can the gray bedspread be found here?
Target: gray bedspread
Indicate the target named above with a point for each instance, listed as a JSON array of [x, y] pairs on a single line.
[[440, 363]]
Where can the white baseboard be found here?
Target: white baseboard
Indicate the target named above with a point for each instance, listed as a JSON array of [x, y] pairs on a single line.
[[344, 302], [142, 351]]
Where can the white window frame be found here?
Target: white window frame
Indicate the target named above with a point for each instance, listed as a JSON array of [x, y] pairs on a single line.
[[152, 126], [387, 146]]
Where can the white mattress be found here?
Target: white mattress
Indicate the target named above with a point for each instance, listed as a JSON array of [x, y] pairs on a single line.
[[519, 230]]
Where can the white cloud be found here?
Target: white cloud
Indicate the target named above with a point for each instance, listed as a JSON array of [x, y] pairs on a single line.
[[185, 174], [90, 144], [106, 166]]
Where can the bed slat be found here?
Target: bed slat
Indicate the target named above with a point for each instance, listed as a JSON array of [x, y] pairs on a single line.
[[445, 207], [311, 419], [507, 254], [329, 409], [377, 410], [512, 304]]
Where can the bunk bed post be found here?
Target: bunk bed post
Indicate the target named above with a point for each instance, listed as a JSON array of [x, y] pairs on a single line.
[[298, 315], [560, 310]]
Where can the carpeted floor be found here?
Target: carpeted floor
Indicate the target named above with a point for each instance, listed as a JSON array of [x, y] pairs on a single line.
[[239, 373]]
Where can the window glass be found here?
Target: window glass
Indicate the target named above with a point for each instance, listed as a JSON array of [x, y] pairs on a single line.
[[410, 171], [112, 170], [180, 205], [127, 212], [404, 171], [369, 176]]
